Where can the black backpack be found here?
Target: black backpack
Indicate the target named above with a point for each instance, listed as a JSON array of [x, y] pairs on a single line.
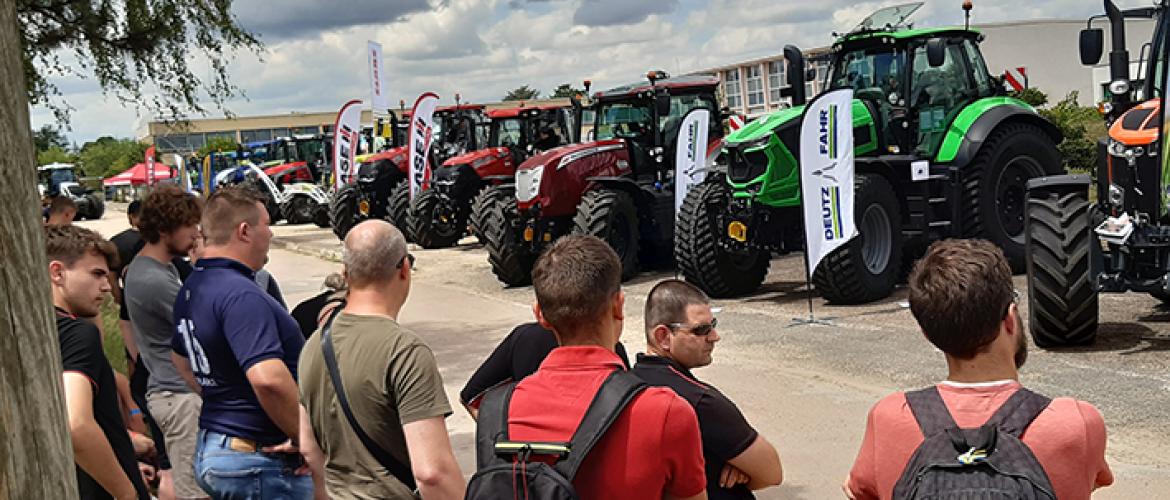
[[987, 463], [506, 469]]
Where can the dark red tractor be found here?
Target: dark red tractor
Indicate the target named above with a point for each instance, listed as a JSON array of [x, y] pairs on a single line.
[[381, 190], [618, 185], [440, 216]]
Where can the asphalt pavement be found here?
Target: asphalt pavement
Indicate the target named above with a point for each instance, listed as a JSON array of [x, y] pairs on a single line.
[[805, 387]]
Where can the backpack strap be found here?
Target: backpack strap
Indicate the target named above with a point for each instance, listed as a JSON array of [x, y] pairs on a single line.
[[618, 390], [399, 470], [1018, 412], [492, 424], [930, 411]]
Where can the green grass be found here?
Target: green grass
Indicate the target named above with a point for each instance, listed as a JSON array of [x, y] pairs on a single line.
[[112, 336]]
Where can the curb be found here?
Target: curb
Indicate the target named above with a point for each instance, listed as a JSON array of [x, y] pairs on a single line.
[[322, 253]]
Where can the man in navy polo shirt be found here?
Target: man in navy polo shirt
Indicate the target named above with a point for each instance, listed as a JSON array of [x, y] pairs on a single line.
[[240, 348]]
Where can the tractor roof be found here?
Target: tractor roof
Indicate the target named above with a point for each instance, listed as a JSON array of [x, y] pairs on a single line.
[[459, 107], [894, 36], [502, 113], [685, 82], [56, 166]]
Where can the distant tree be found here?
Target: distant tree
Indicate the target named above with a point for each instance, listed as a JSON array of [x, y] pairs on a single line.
[[566, 90], [522, 93], [1081, 127], [1032, 96], [218, 144], [108, 156], [49, 136], [55, 155]]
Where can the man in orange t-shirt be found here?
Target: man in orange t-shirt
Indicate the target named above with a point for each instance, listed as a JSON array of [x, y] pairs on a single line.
[[961, 295]]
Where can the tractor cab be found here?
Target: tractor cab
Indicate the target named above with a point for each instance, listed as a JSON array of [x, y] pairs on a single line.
[[56, 179], [298, 158], [458, 129]]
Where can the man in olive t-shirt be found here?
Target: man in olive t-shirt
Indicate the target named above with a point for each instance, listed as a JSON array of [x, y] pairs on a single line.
[[391, 381]]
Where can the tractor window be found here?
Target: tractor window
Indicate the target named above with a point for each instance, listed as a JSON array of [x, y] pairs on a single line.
[[623, 120], [57, 176], [978, 68], [872, 73], [508, 132], [938, 94], [680, 105]]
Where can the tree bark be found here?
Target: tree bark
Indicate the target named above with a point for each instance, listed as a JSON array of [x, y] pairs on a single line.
[[36, 458]]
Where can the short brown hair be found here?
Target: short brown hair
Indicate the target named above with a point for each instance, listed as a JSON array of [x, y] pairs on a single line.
[[959, 293], [668, 301], [226, 208], [575, 280], [68, 244], [60, 204], [166, 209]]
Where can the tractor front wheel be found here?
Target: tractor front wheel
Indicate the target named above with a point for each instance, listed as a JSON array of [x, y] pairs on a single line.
[[298, 210], [480, 207], [96, 208], [1062, 301], [436, 221], [508, 254], [612, 216], [343, 211], [398, 208], [866, 268], [701, 259]]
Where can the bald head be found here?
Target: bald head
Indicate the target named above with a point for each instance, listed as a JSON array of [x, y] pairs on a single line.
[[372, 252]]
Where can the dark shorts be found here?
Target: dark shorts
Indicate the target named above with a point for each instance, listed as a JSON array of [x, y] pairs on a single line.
[[138, 392]]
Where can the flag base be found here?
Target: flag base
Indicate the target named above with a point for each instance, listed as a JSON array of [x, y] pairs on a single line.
[[810, 321]]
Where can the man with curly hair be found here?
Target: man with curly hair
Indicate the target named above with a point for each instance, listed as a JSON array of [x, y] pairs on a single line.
[[169, 224]]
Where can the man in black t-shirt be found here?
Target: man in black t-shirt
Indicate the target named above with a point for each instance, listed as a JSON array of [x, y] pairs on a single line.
[[103, 449], [680, 336]]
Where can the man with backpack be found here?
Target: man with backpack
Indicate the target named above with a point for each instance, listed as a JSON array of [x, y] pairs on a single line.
[[979, 430], [582, 426]]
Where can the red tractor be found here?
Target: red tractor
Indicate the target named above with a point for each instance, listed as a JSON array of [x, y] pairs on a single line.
[[380, 190], [618, 185], [439, 216]]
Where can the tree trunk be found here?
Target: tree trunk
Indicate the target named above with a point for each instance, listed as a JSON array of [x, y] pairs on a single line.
[[36, 458]]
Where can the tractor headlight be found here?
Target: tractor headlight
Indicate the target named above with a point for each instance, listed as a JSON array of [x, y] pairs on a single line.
[[1116, 195], [1117, 149], [528, 183], [1119, 87]]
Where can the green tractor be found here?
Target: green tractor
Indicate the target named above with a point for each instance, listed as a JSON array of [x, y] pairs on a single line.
[[941, 152]]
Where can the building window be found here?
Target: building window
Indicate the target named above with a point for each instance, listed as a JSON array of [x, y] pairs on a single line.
[[179, 142], [305, 130], [731, 88], [247, 136], [811, 89], [777, 80], [755, 87]]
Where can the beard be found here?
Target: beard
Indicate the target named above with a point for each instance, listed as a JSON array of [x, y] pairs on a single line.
[[1021, 343], [179, 248]]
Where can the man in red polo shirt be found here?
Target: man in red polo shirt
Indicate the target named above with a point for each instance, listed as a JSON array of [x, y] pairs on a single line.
[[961, 295], [653, 449]]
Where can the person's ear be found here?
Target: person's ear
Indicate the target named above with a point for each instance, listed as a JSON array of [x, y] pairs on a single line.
[[1011, 320], [244, 232], [619, 306], [56, 272], [540, 316], [661, 336]]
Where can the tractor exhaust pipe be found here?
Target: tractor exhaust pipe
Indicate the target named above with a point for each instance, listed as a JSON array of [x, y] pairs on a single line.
[[796, 76], [1118, 53]]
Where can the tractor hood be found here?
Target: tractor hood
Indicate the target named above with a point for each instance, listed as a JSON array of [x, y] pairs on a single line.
[[764, 126], [478, 158], [397, 156], [280, 169], [563, 155], [556, 178]]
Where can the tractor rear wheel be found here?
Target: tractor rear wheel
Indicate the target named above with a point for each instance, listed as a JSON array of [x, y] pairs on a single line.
[[343, 210], [398, 208], [97, 207], [995, 185], [701, 259], [434, 222], [612, 216], [1062, 301], [509, 256], [298, 210], [865, 269], [483, 202]]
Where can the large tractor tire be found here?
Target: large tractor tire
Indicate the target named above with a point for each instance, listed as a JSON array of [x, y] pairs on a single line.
[[701, 259], [298, 210], [96, 207], [343, 211], [321, 215], [995, 186], [1062, 302], [480, 206], [865, 269], [398, 208], [432, 224], [611, 216], [509, 256]]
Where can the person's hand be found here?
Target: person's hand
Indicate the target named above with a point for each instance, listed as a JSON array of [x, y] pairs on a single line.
[[731, 476], [845, 487], [290, 448], [143, 446], [147, 472]]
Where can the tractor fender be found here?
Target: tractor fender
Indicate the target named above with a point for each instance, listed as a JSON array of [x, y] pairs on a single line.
[[640, 196], [1062, 182], [960, 146]]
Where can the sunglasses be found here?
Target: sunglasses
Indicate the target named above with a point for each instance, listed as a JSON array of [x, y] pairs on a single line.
[[405, 258], [1015, 300], [700, 330]]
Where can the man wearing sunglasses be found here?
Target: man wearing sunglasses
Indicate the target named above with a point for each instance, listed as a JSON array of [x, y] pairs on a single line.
[[681, 332]]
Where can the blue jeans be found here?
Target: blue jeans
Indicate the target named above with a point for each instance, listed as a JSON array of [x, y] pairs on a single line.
[[228, 474]]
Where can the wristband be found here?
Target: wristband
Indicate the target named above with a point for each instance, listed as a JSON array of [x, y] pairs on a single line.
[[135, 411]]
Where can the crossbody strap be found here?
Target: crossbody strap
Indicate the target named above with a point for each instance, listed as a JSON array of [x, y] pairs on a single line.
[[396, 467], [618, 390]]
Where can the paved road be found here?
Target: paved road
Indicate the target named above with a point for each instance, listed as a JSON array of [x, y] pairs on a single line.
[[806, 388]]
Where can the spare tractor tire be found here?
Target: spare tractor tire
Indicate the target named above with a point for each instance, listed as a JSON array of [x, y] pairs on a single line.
[[612, 216], [343, 210], [398, 208], [434, 222], [480, 206], [867, 267], [701, 259], [509, 255], [995, 186], [1062, 301]]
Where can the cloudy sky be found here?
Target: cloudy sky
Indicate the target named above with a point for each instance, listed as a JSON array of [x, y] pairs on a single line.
[[315, 59]]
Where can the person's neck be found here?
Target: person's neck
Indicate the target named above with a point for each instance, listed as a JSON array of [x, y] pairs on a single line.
[[157, 251], [655, 351], [982, 368], [60, 303], [371, 302], [227, 252]]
